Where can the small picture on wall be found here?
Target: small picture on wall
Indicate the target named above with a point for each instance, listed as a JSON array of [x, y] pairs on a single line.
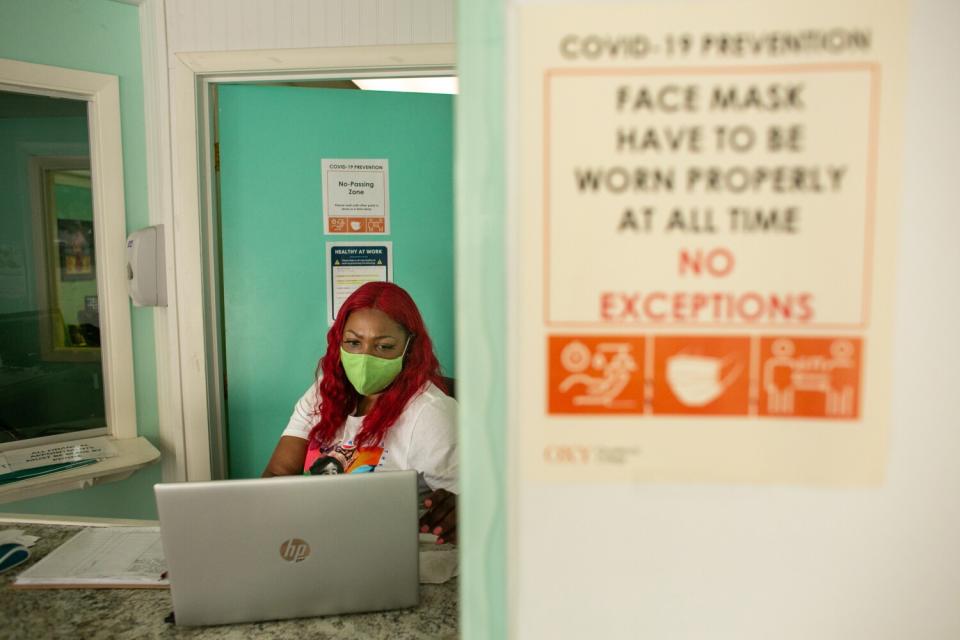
[[75, 248]]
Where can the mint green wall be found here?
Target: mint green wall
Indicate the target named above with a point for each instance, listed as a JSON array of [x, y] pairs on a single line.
[[481, 318], [104, 37], [272, 141]]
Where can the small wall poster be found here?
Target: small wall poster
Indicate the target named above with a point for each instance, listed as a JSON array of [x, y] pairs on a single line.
[[351, 265], [356, 196]]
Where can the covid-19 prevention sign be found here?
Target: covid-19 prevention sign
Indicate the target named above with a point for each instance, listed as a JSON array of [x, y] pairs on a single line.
[[706, 200], [356, 196]]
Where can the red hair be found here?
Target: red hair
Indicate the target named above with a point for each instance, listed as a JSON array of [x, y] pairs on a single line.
[[338, 398]]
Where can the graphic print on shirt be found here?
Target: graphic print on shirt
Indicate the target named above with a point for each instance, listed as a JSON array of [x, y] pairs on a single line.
[[342, 457]]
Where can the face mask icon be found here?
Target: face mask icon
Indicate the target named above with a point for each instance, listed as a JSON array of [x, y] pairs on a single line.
[[699, 380]]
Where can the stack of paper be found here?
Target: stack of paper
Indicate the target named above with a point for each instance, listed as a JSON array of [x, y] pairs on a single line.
[[105, 557]]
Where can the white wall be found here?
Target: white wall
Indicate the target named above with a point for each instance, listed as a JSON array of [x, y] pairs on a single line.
[[745, 563], [231, 25]]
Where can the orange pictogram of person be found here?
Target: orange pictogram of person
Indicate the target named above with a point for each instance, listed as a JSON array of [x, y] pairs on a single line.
[[786, 373]]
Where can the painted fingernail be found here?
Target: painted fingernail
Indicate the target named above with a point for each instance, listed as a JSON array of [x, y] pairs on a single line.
[[437, 531], [424, 529], [440, 540], [428, 503]]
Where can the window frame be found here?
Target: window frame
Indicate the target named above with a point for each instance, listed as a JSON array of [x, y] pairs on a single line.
[[101, 93], [45, 254]]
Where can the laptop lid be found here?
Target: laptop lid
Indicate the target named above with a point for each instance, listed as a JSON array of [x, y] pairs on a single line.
[[289, 547]]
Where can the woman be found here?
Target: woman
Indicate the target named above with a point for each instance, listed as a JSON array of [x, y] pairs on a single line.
[[378, 404]]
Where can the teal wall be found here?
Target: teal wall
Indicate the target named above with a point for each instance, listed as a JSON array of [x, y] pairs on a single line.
[[272, 141], [100, 36]]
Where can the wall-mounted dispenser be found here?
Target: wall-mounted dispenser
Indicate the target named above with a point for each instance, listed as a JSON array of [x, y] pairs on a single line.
[[146, 268]]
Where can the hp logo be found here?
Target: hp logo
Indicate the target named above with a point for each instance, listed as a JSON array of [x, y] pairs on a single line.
[[294, 550]]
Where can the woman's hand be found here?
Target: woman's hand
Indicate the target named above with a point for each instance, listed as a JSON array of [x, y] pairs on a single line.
[[441, 516]]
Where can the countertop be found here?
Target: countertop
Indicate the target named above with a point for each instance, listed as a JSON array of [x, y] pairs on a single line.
[[140, 613]]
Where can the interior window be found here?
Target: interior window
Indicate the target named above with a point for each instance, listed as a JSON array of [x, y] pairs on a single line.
[[51, 373]]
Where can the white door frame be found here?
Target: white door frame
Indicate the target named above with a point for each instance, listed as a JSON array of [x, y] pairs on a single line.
[[188, 354]]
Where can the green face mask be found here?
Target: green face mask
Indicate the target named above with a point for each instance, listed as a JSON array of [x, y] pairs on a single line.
[[370, 374]]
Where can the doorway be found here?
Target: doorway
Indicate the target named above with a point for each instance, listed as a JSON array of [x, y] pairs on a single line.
[[271, 142]]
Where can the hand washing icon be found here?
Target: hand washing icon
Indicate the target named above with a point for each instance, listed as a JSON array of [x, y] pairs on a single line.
[[601, 376], [596, 374], [699, 380]]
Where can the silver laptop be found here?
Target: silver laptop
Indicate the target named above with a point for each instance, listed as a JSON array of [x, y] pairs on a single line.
[[290, 547]]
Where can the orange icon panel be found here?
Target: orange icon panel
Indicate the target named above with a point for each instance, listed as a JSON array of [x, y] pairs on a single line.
[[337, 225], [701, 375], [810, 377], [595, 374]]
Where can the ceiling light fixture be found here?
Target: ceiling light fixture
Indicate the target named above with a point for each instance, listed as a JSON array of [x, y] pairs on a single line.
[[433, 84]]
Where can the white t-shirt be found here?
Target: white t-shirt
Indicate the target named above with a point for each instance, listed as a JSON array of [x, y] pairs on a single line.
[[423, 438]]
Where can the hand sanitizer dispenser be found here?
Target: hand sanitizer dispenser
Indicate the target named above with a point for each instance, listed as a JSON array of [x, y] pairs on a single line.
[[146, 272]]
